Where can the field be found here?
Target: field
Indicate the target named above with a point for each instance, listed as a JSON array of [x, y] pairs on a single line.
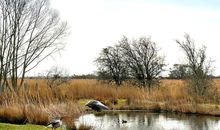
[[37, 103]]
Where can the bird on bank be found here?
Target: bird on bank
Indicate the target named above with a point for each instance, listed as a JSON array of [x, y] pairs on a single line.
[[124, 121], [96, 105], [56, 123]]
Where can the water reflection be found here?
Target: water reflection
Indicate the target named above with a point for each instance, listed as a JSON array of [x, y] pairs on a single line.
[[149, 121]]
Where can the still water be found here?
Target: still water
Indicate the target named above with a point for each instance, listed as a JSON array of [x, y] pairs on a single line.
[[139, 120]]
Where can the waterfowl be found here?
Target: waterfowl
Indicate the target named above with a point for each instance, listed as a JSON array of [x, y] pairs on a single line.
[[56, 123], [96, 105], [124, 121]]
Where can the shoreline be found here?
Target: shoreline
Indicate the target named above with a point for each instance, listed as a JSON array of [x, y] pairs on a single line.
[[163, 107], [154, 112]]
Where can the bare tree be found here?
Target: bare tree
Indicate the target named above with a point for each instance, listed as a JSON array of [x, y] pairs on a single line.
[[179, 71], [142, 58], [111, 66], [30, 31], [199, 66], [56, 77]]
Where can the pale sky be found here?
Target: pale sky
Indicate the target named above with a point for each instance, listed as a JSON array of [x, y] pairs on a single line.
[[95, 24]]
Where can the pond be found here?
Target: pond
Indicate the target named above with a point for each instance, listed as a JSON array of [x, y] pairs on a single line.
[[140, 120]]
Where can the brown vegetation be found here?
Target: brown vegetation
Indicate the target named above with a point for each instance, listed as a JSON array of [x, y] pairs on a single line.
[[36, 103]]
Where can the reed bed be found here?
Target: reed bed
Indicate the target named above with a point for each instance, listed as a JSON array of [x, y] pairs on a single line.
[[37, 103]]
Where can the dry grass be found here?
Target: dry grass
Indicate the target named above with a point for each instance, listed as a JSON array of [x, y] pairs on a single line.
[[37, 103]]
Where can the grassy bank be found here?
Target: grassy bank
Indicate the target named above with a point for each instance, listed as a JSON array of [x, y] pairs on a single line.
[[37, 103], [4, 126]]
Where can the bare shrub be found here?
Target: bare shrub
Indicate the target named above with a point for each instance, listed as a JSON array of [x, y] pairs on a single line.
[[200, 67]]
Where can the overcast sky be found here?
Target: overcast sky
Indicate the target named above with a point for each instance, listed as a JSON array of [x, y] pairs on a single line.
[[95, 24]]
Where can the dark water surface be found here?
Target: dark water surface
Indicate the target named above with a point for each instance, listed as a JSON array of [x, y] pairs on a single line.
[[139, 120]]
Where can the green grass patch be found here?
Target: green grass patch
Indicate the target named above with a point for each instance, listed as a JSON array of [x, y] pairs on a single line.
[[122, 102], [83, 102], [7, 126]]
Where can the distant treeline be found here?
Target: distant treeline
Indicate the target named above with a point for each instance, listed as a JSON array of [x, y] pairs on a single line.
[[94, 76], [83, 76]]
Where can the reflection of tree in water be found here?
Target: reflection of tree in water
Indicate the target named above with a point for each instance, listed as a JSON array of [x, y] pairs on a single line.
[[111, 118], [176, 116], [195, 122], [203, 122], [143, 120], [149, 120], [146, 121]]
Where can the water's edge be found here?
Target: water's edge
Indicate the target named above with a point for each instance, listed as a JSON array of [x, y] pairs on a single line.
[[142, 119]]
